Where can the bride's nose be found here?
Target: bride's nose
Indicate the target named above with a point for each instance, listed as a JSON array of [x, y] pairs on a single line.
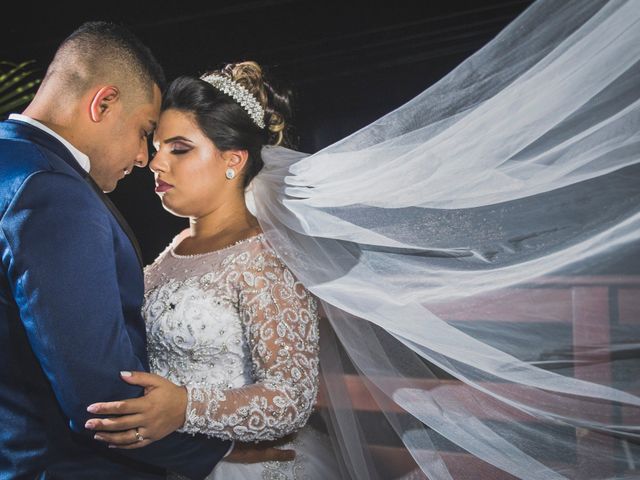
[[157, 163]]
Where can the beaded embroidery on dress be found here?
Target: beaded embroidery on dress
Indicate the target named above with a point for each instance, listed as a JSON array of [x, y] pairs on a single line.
[[237, 329]]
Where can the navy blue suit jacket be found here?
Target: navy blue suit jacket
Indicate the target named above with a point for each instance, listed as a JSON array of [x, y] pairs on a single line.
[[71, 289]]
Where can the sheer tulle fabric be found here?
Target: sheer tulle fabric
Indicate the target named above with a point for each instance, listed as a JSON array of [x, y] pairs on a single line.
[[476, 254]]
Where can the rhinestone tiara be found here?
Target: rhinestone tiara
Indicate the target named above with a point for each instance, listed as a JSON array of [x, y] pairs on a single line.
[[240, 94]]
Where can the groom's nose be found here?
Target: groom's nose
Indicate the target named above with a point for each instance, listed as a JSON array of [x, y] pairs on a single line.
[[143, 156]]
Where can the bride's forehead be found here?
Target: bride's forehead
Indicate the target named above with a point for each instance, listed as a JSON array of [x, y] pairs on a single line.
[[172, 116], [174, 123]]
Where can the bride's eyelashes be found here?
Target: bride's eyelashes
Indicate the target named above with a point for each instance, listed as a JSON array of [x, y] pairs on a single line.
[[179, 149]]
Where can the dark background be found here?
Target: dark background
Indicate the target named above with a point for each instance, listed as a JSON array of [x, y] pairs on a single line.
[[348, 63]]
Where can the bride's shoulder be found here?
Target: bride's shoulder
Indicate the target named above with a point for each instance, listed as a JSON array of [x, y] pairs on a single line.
[[175, 241], [260, 254]]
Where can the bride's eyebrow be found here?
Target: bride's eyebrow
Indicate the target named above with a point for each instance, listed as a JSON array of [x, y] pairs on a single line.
[[177, 138]]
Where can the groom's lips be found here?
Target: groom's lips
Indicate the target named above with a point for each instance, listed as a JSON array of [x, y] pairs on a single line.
[[162, 187]]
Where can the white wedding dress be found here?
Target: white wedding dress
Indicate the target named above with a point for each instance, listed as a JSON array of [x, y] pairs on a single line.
[[487, 230], [241, 334]]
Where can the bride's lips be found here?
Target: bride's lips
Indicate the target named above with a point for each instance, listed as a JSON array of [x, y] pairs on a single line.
[[162, 187]]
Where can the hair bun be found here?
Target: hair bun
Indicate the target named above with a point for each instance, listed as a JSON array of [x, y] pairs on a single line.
[[276, 104]]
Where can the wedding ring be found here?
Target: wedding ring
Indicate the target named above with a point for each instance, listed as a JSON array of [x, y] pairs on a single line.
[[139, 436]]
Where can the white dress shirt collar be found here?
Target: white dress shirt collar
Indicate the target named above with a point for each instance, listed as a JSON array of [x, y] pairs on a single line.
[[80, 157]]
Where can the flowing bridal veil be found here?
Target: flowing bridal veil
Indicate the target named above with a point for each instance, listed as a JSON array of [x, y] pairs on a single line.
[[476, 255]]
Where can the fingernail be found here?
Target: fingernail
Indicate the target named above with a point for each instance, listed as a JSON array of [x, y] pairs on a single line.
[[125, 373], [98, 437], [89, 425], [92, 408]]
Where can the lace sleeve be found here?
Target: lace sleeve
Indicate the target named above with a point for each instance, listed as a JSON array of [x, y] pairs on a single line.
[[280, 321]]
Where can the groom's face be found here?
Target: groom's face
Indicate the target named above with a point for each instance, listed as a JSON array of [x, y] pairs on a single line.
[[124, 143]]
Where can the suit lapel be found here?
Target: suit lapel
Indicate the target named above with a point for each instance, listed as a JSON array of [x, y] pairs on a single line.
[[114, 210]]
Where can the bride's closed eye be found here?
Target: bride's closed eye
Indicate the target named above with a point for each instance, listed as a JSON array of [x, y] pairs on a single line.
[[179, 149]]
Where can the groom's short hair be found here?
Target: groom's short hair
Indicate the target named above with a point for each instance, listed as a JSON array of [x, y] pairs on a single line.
[[106, 52]]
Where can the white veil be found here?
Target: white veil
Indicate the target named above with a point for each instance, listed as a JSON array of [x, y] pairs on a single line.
[[476, 255]]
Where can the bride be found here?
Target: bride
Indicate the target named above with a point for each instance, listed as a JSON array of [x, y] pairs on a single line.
[[474, 251], [225, 317]]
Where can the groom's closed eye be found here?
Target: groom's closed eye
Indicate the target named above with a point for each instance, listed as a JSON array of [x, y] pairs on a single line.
[[151, 147], [149, 130]]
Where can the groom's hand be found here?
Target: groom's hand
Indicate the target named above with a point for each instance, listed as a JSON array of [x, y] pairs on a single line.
[[140, 421]]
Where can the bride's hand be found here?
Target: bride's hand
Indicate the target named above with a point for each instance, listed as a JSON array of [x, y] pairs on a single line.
[[142, 420]]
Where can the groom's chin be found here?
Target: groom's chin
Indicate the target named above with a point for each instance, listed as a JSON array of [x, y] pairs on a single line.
[[107, 186], [110, 187]]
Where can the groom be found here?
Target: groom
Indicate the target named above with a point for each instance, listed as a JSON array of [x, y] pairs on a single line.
[[71, 284]]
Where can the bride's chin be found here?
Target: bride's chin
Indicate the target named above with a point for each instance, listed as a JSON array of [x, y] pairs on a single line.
[[174, 210]]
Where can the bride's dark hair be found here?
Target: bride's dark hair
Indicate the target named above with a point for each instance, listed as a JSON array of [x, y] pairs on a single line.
[[225, 122]]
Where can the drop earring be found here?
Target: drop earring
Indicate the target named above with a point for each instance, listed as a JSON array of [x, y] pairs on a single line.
[[230, 173]]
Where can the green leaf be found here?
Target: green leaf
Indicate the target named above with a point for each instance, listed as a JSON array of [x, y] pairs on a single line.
[[16, 103], [17, 84], [19, 91], [16, 68]]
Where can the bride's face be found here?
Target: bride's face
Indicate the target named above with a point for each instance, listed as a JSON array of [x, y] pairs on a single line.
[[189, 169]]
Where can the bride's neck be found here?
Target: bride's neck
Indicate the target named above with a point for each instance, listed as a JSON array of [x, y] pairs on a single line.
[[228, 219]]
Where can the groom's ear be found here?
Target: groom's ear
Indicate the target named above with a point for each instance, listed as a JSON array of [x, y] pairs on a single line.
[[103, 103]]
